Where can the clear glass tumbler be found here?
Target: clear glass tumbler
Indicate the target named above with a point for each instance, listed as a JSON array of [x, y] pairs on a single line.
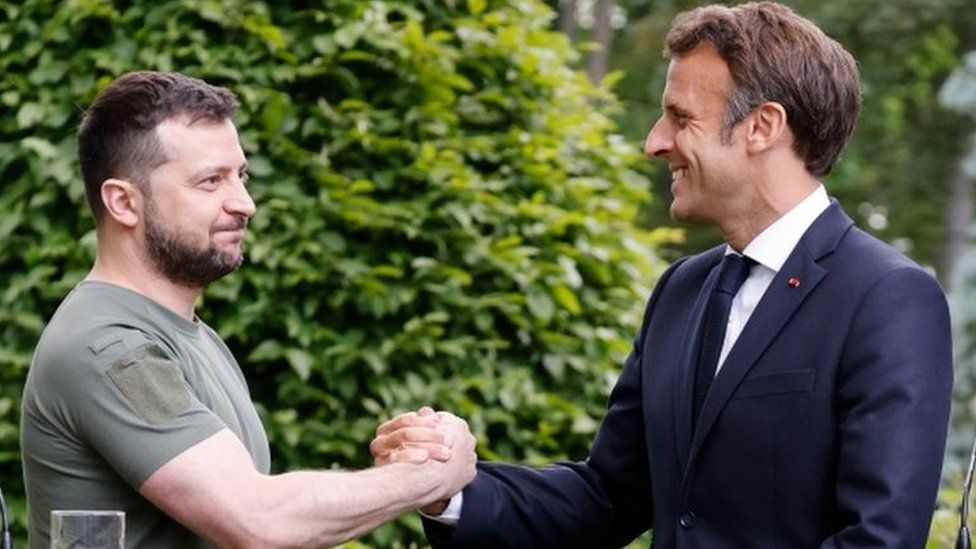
[[87, 529]]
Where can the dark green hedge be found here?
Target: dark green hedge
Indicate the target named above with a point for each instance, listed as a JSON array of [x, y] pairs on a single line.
[[444, 213]]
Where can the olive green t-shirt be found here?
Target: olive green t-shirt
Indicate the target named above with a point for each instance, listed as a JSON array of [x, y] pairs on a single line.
[[118, 386]]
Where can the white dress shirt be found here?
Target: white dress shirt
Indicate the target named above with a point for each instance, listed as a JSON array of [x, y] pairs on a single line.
[[769, 249]]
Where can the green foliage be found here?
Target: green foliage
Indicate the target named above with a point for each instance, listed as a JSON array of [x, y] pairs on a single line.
[[904, 150], [957, 95], [445, 216], [945, 521], [963, 310]]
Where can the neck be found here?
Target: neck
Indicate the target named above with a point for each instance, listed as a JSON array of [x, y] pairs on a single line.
[[130, 268], [773, 195]]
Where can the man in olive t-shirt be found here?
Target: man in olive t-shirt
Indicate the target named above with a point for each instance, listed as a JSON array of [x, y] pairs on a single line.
[[133, 404], [118, 386]]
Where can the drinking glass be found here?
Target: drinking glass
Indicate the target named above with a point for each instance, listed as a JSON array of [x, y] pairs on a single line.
[[87, 530]]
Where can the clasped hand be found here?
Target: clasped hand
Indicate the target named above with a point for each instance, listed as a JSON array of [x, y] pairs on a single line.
[[439, 440]]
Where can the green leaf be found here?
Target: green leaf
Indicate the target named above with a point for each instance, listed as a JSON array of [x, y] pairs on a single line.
[[567, 299], [300, 361], [540, 304], [29, 115]]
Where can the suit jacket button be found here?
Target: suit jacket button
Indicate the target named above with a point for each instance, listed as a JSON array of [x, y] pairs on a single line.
[[687, 519]]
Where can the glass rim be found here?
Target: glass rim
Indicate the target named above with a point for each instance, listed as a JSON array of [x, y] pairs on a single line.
[[83, 512]]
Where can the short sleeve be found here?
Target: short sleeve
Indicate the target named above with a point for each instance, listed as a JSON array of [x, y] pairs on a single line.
[[130, 402]]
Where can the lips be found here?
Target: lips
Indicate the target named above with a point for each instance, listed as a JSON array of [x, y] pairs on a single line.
[[234, 232], [239, 226]]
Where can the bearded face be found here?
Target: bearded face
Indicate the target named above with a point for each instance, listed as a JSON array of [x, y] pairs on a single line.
[[182, 258]]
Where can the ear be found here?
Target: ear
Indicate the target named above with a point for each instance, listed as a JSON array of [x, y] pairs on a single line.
[[767, 127], [123, 201]]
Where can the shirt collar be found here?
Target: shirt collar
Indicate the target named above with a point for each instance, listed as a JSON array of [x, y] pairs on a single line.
[[774, 245]]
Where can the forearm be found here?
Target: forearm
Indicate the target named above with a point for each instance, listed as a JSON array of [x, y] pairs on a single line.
[[325, 508], [240, 507]]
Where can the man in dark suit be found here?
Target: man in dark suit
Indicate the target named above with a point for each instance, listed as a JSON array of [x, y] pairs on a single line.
[[804, 406]]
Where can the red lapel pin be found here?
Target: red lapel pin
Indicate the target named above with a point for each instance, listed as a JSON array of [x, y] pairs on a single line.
[[794, 282]]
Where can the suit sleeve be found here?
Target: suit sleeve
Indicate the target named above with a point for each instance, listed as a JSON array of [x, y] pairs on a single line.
[[893, 399], [605, 501]]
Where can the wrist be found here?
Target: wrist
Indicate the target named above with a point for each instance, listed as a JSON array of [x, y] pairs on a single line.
[[435, 509]]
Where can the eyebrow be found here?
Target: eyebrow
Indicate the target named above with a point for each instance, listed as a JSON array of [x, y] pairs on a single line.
[[675, 109], [210, 170]]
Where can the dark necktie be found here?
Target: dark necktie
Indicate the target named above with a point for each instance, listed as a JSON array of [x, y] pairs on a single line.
[[732, 273]]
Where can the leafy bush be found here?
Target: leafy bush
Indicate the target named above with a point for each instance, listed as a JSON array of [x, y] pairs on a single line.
[[445, 215]]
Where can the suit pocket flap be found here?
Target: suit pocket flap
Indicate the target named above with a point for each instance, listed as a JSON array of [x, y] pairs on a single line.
[[777, 383]]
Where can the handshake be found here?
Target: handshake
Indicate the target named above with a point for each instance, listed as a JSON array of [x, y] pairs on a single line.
[[438, 441]]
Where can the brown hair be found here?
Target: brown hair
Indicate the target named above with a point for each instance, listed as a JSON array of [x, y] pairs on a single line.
[[117, 137], [776, 55]]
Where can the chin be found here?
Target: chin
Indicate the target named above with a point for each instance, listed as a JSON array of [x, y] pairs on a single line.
[[235, 249], [679, 213], [688, 215], [235, 259]]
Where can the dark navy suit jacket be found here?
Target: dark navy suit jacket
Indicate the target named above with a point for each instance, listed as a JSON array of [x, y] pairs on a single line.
[[825, 427]]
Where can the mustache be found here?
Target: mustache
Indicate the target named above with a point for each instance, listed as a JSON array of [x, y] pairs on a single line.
[[238, 224]]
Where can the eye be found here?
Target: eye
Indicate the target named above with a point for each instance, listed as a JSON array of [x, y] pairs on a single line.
[[210, 182], [244, 176]]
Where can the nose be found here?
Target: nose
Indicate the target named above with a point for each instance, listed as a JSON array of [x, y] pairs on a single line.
[[660, 140], [239, 201]]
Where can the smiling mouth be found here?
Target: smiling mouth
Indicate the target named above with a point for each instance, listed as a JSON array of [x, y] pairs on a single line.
[[678, 173]]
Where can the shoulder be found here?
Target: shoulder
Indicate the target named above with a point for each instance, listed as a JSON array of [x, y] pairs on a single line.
[[89, 331], [865, 261], [835, 242], [692, 270], [682, 280], [880, 287]]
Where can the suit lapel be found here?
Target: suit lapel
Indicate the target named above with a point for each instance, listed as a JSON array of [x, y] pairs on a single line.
[[771, 316]]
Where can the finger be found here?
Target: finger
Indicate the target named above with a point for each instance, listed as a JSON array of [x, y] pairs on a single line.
[[435, 451], [449, 435], [465, 443], [384, 444], [418, 434], [438, 452], [380, 447], [396, 423], [407, 419], [454, 427], [411, 455], [448, 416], [425, 411]]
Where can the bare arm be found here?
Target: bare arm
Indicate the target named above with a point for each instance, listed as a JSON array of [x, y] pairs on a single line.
[[214, 490]]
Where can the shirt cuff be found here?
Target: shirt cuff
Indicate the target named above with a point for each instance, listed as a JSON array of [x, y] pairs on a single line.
[[451, 514]]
